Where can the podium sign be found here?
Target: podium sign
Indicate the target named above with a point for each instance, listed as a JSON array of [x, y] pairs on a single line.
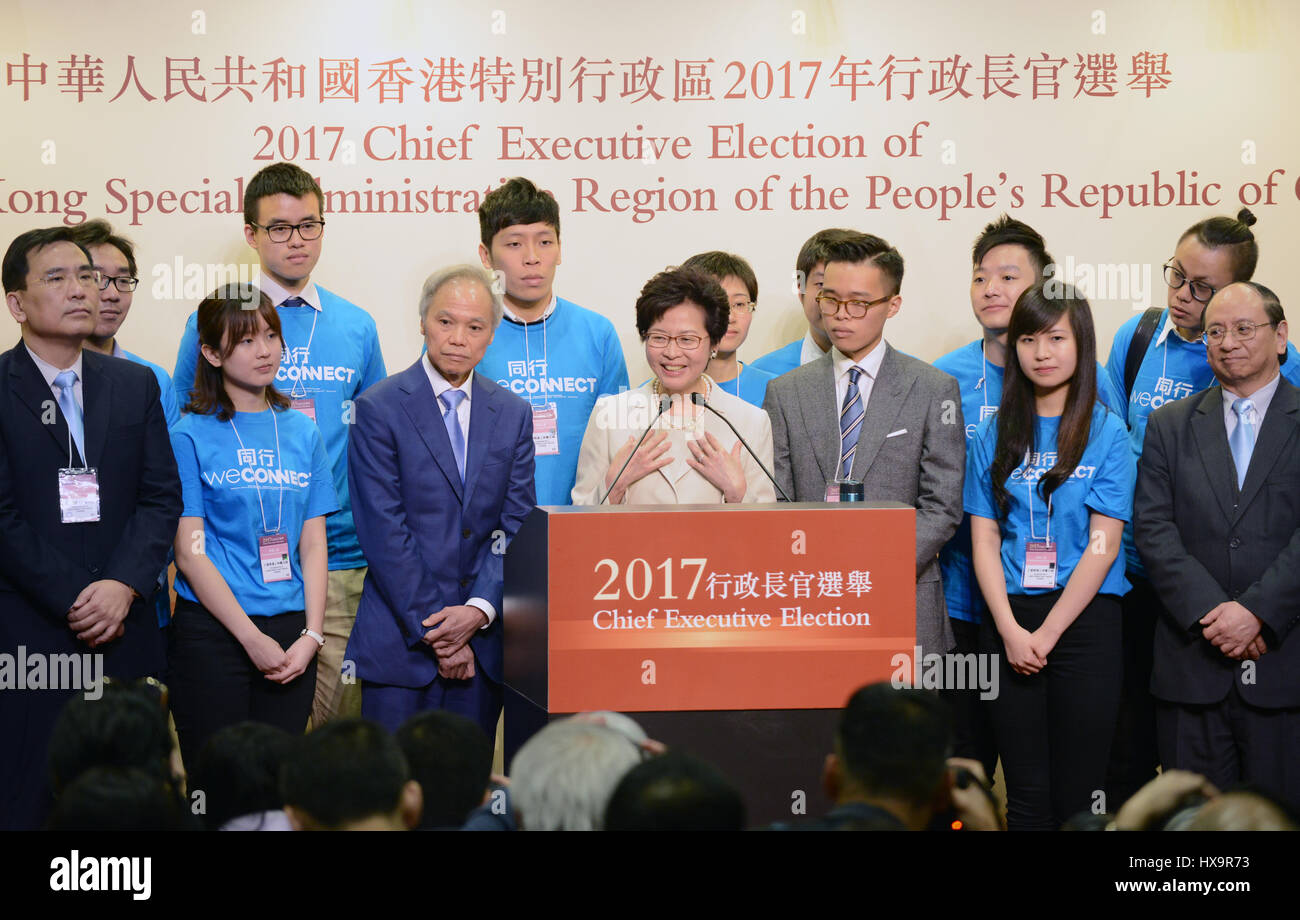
[[725, 607]]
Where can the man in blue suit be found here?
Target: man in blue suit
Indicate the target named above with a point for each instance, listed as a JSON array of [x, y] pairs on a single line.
[[441, 475]]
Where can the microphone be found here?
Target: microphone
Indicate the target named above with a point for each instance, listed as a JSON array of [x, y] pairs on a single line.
[[664, 402], [699, 400]]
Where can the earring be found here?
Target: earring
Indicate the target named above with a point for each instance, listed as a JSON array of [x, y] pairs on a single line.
[[713, 354]]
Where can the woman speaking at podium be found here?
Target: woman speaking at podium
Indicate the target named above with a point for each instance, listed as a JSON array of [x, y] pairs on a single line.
[[687, 453]]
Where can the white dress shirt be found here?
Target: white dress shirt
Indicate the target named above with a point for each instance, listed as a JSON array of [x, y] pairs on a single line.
[[441, 385], [49, 372], [1261, 399], [869, 364], [278, 294]]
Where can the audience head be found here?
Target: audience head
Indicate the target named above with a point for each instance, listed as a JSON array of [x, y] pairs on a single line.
[[1245, 335], [519, 225], [451, 759], [50, 286], [119, 798], [238, 772], [681, 316], [126, 726], [860, 290], [810, 270], [284, 222], [563, 776], [240, 346], [1242, 810], [737, 279], [1210, 255], [1008, 257], [675, 792], [113, 257], [891, 749], [349, 774]]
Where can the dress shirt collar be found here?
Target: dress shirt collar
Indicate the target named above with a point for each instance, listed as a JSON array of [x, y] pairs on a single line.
[[809, 351], [869, 363], [1261, 397], [49, 371], [440, 383], [1167, 330], [510, 314], [274, 290]]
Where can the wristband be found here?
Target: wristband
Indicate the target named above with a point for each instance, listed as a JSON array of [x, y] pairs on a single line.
[[320, 640]]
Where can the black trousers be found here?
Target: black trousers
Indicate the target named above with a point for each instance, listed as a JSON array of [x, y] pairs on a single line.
[[971, 717], [1133, 755], [1054, 728], [214, 683]]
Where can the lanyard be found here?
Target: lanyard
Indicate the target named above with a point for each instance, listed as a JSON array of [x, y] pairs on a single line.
[[982, 384], [306, 355], [279, 512], [528, 359], [1029, 488]]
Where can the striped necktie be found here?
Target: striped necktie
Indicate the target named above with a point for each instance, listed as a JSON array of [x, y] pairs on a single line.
[[850, 423]]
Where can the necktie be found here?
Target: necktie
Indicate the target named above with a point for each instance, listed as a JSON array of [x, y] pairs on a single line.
[[450, 401], [294, 302], [850, 423], [65, 380], [1242, 441]]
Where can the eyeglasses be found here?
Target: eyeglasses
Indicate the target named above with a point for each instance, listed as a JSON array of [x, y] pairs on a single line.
[[856, 308], [280, 233], [1243, 331], [684, 342], [1175, 279], [123, 283], [84, 277], [747, 306]]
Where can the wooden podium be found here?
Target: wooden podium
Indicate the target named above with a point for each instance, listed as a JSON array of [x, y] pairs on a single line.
[[735, 632]]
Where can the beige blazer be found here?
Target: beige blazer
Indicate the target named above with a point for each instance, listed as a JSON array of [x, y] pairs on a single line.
[[618, 417]]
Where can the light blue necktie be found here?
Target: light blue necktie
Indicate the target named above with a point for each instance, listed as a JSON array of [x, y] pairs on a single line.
[[451, 400], [850, 423], [1242, 441], [65, 381]]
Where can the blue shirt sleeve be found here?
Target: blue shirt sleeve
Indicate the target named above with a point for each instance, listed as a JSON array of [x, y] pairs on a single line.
[[187, 359], [613, 376], [374, 370], [187, 466], [977, 491], [1291, 369], [1108, 394], [171, 409], [1111, 491], [321, 496]]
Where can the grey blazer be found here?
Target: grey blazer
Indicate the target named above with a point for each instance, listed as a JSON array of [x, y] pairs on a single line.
[[911, 449]]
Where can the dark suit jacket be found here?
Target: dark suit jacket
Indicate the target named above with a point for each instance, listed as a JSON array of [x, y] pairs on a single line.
[[911, 449], [431, 542], [1204, 542], [44, 563]]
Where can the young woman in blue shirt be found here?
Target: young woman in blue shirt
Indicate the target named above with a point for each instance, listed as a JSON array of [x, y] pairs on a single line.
[[251, 552], [1049, 486]]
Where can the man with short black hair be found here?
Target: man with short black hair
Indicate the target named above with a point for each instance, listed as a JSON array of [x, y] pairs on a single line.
[[675, 792], [89, 504], [451, 759], [349, 775]]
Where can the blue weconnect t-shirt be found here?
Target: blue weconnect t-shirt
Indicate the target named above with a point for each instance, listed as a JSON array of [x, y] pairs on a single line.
[[750, 385], [568, 359], [782, 360], [171, 409], [1172, 369], [980, 383], [342, 361], [1102, 482], [221, 482]]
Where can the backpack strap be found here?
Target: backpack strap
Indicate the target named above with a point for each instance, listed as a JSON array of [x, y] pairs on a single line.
[[1137, 348]]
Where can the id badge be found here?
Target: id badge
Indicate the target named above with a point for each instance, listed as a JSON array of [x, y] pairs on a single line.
[[78, 495], [273, 551], [832, 491], [1040, 566], [546, 433], [306, 406]]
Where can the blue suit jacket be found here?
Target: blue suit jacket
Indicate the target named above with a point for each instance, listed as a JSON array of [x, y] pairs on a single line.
[[432, 542]]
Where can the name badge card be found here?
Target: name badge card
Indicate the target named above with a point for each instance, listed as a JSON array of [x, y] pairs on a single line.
[[78, 495], [273, 550], [546, 434], [1040, 566], [306, 406]]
